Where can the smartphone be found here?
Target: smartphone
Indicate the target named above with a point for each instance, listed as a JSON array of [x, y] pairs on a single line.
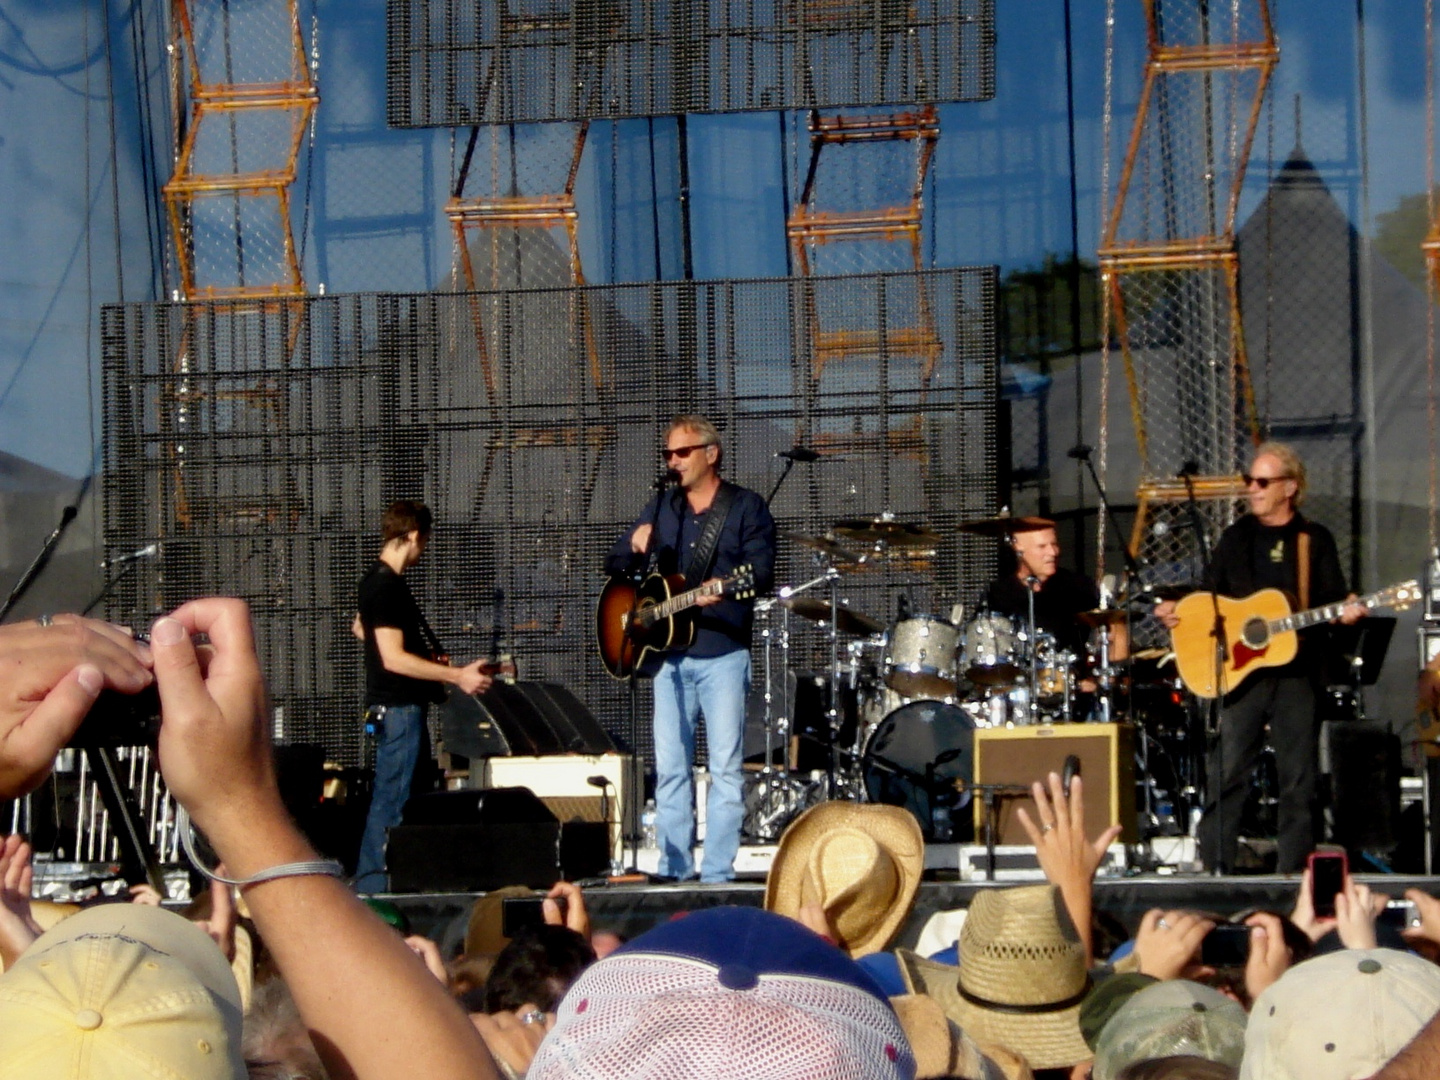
[[1327, 877], [518, 912], [1401, 914], [1228, 945]]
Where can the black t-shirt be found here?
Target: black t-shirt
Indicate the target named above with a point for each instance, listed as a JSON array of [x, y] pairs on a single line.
[[385, 600], [1251, 556], [1062, 596]]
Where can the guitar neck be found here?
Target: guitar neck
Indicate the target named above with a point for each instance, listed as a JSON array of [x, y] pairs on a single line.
[[680, 601], [1300, 620]]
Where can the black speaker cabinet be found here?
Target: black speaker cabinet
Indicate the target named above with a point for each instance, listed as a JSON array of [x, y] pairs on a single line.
[[478, 840], [1362, 760]]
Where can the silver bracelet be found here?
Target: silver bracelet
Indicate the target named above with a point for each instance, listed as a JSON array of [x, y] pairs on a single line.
[[307, 868]]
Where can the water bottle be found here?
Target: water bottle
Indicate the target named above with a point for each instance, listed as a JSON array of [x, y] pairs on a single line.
[[648, 836], [941, 826]]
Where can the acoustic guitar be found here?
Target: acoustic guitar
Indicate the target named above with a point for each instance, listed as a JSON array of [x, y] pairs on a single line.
[[1260, 632], [634, 621]]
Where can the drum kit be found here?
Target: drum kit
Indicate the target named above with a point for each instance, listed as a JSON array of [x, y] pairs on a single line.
[[903, 699]]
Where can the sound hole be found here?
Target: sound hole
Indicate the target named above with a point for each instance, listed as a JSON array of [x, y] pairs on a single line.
[[1254, 633]]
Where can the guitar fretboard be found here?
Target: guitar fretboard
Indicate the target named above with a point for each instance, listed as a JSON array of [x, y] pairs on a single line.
[[1314, 616], [681, 601]]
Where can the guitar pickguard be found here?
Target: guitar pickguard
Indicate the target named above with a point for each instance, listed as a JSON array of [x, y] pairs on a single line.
[[1243, 654]]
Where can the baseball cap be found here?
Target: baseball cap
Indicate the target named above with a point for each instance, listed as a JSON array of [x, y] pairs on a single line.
[[1341, 1015], [728, 992], [121, 991], [1167, 1019]]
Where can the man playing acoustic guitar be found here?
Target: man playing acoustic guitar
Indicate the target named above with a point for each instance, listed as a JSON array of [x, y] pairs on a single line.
[[704, 528], [1273, 546], [402, 676]]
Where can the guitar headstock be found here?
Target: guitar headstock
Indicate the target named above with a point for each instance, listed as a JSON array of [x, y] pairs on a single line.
[[1400, 596], [741, 583]]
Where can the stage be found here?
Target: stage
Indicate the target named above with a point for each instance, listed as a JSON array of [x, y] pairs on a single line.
[[631, 909]]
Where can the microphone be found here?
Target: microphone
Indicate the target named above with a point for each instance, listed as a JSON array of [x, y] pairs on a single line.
[[598, 781], [1080, 452], [1072, 770], [665, 479], [144, 553], [1190, 468], [798, 453]]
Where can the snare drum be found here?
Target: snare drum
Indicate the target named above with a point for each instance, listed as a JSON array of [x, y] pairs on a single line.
[[991, 655], [921, 663]]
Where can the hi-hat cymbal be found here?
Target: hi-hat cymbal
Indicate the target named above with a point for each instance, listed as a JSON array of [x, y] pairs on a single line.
[[825, 545], [846, 621], [1102, 616], [1004, 526], [883, 530]]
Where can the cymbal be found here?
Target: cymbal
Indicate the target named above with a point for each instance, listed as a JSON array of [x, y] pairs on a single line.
[[1004, 526], [846, 621], [881, 530], [1102, 616], [823, 544]]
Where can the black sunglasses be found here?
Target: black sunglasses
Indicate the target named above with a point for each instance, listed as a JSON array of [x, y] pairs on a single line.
[[683, 451], [1262, 482]]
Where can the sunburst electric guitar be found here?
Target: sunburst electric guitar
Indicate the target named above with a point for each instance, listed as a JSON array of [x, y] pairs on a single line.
[[1260, 632], [633, 621]]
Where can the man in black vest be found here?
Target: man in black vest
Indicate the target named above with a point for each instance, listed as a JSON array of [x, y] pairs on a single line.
[[402, 676], [713, 675], [1266, 549]]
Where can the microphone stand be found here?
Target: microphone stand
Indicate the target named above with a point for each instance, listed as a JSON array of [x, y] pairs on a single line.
[[33, 570], [637, 761], [1217, 634]]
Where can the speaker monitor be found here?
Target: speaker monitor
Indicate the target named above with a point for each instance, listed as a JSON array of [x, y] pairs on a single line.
[[526, 718], [1021, 755]]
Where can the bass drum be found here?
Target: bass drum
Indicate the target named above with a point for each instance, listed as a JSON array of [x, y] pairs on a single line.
[[922, 757]]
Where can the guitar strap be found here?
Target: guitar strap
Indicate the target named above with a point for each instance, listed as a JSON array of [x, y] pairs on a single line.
[[1302, 567], [702, 555]]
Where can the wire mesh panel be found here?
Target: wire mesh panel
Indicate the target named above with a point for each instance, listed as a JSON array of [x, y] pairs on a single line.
[[502, 61], [259, 448]]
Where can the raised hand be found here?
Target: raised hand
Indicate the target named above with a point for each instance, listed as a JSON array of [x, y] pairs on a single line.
[[18, 928]]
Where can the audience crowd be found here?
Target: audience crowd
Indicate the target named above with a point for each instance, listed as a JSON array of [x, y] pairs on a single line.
[[281, 972]]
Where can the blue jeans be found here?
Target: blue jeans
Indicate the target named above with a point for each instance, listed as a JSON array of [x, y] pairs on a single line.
[[685, 687], [401, 733]]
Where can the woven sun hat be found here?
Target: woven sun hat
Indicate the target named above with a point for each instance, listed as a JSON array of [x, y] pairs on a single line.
[[943, 1050], [728, 993], [862, 863], [121, 992], [1339, 1016], [483, 936], [1021, 979], [1169, 1019]]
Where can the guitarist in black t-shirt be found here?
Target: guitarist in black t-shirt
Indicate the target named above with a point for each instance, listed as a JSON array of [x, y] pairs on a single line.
[[404, 672]]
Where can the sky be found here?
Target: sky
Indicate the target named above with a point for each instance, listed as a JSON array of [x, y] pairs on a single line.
[[78, 228]]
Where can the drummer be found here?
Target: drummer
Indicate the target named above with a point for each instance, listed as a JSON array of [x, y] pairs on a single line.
[[1060, 594]]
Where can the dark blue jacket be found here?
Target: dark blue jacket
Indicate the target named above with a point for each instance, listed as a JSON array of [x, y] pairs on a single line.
[[747, 537]]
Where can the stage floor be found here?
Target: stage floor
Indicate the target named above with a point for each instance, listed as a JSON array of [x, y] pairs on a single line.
[[631, 909]]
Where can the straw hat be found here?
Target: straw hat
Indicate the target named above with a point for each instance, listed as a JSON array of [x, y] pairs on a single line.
[[943, 1050], [861, 863], [1021, 978]]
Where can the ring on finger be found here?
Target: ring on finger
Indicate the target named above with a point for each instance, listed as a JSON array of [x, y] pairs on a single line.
[[534, 1016], [1161, 924], [45, 619], [1046, 827]]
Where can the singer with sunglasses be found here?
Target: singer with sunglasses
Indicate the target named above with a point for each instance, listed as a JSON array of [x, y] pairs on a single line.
[[1273, 546], [705, 528]]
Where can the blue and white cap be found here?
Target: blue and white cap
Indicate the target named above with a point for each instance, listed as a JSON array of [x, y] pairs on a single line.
[[728, 992]]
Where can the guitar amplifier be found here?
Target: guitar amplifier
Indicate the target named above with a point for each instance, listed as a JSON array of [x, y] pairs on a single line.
[[1022, 755]]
